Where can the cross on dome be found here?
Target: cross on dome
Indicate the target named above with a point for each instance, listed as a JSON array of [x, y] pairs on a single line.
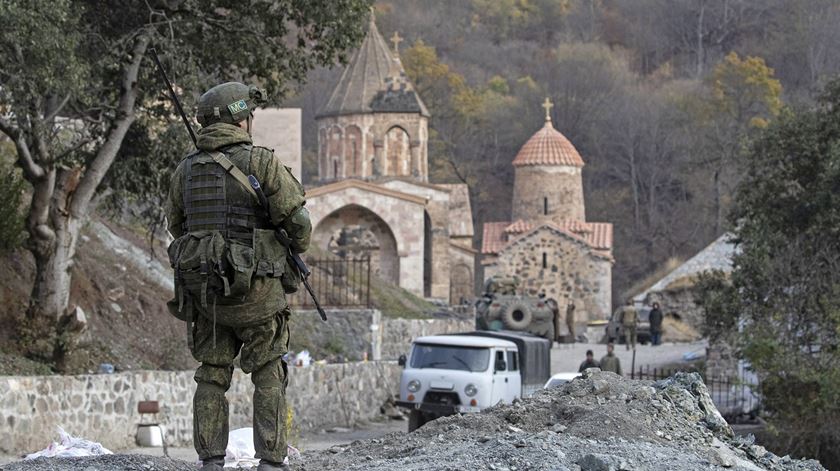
[[396, 39], [547, 104]]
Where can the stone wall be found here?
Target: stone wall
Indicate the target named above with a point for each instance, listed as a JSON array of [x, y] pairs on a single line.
[[104, 407], [402, 214], [349, 334], [572, 270], [542, 192], [680, 302]]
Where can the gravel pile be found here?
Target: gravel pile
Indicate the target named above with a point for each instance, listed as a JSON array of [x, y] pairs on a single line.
[[102, 463], [597, 423]]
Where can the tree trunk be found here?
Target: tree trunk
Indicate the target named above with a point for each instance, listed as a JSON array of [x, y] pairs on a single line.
[[52, 241], [60, 205]]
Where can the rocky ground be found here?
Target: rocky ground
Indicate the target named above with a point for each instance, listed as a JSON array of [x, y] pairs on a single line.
[[600, 422], [597, 423]]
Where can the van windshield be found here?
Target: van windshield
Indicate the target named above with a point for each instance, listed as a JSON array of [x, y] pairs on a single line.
[[450, 357]]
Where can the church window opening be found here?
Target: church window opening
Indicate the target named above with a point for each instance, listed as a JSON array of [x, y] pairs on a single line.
[[545, 260], [335, 168], [398, 151], [545, 206]]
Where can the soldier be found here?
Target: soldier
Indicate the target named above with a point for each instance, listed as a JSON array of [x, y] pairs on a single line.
[[232, 274], [570, 319], [629, 320], [610, 362]]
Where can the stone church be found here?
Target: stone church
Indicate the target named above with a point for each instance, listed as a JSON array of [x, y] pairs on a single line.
[[373, 196], [548, 244]]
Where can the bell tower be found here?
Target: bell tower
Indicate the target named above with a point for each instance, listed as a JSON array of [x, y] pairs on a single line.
[[374, 125]]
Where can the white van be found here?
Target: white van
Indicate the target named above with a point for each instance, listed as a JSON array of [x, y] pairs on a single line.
[[460, 373]]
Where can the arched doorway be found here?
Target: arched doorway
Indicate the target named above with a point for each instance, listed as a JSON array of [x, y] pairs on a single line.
[[353, 231], [461, 284]]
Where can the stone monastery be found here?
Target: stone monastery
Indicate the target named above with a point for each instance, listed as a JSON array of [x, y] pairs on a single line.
[[549, 245], [374, 198]]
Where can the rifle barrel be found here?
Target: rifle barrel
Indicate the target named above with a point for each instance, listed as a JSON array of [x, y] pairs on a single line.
[[174, 96]]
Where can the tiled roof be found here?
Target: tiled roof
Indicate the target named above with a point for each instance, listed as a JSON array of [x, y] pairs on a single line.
[[548, 147], [494, 239], [373, 81], [597, 235], [518, 227]]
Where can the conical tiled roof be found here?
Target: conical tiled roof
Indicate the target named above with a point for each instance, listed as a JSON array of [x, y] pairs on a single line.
[[373, 81], [548, 147]]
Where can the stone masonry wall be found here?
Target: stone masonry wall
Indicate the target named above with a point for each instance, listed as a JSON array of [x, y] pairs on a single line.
[[571, 271], [104, 407], [562, 186], [681, 302]]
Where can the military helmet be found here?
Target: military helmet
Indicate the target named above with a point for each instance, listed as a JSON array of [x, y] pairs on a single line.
[[229, 102]]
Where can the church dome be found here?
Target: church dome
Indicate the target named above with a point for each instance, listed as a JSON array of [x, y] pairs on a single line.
[[548, 147]]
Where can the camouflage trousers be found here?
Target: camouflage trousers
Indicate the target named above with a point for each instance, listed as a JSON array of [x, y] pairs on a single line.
[[262, 347]]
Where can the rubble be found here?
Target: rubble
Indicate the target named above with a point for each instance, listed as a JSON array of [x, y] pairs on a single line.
[[598, 422]]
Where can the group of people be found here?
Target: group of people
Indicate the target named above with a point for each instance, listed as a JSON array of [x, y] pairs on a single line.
[[609, 362], [629, 318]]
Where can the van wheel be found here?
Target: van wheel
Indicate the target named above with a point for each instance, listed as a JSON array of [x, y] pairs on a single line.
[[416, 419], [517, 316]]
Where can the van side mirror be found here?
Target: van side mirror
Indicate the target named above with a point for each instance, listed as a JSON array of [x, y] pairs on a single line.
[[401, 361], [501, 365]]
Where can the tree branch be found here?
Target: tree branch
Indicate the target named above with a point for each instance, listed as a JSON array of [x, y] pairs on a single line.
[[31, 170], [100, 164]]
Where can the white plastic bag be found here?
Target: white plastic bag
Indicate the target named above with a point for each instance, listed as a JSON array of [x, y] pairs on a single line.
[[240, 450], [70, 446]]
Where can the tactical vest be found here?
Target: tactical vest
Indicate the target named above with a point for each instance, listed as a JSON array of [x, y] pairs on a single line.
[[215, 201], [227, 237]]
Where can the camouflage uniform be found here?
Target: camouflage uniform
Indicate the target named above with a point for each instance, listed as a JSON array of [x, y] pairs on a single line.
[[256, 324]]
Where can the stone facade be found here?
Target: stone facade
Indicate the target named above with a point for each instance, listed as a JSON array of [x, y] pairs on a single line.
[[679, 302], [549, 245], [373, 174], [552, 262], [398, 219], [104, 407], [373, 145], [548, 193]]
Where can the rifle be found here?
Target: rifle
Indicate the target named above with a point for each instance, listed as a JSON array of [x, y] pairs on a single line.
[[283, 237], [174, 96], [279, 234]]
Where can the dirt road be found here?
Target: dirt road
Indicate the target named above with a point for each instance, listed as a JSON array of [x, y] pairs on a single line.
[[568, 357]]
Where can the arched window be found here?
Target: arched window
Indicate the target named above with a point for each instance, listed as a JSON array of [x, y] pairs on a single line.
[[545, 206], [399, 153], [545, 260]]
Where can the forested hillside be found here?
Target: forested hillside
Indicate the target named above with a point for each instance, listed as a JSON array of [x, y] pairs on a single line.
[[660, 97]]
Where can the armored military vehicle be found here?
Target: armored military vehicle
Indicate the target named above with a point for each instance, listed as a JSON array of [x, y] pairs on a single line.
[[502, 308]]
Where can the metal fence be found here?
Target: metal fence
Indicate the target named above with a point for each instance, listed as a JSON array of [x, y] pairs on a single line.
[[338, 283], [733, 396]]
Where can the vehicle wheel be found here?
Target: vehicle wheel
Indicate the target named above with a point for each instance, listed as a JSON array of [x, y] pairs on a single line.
[[517, 316], [416, 419]]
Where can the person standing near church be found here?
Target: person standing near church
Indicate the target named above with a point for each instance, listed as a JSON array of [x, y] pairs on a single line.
[[570, 320], [232, 273], [655, 325], [630, 322]]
